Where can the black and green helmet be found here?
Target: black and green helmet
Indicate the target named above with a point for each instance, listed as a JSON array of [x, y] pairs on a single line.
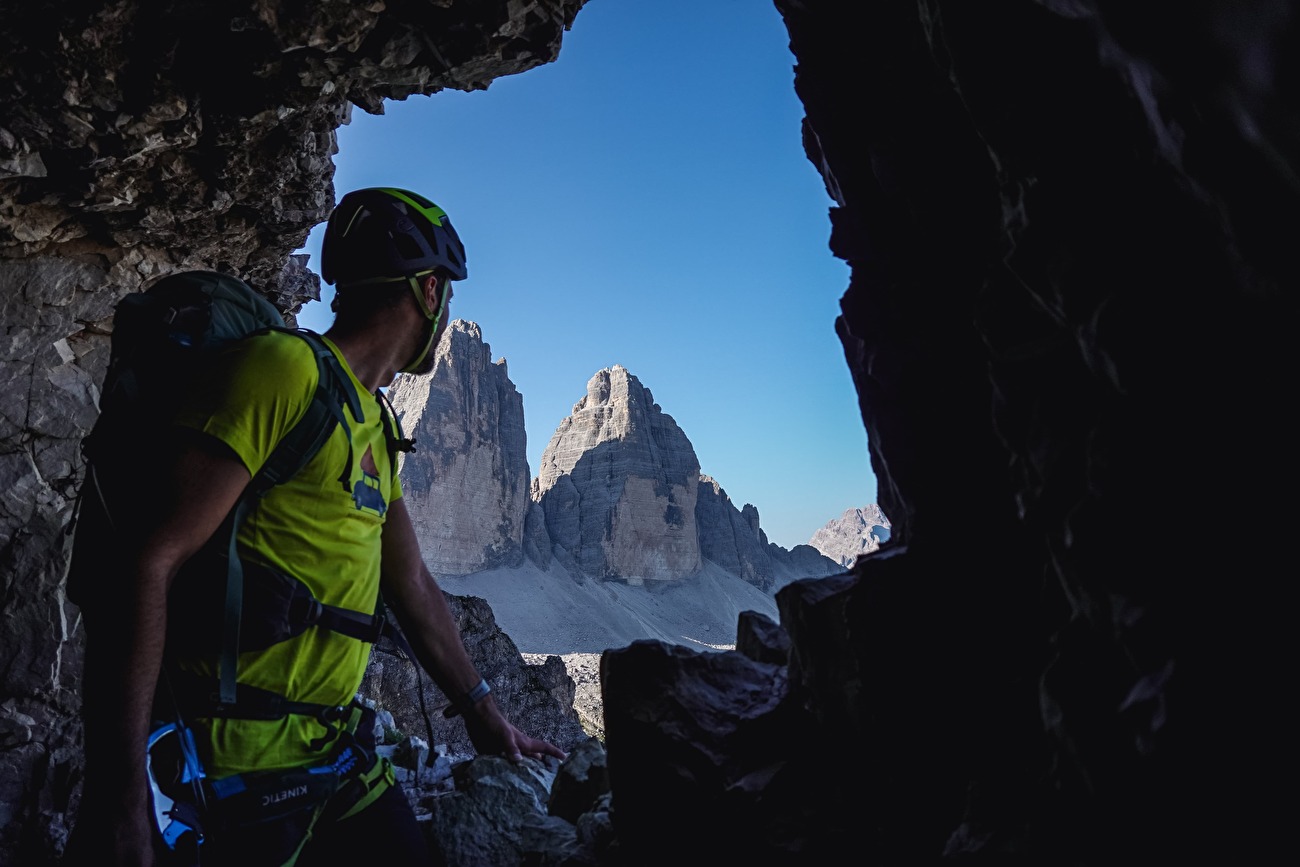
[[384, 233]]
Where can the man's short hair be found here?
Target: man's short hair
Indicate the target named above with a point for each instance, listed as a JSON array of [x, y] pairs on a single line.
[[357, 304]]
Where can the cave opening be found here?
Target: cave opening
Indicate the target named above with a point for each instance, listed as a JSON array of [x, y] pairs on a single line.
[[657, 159]]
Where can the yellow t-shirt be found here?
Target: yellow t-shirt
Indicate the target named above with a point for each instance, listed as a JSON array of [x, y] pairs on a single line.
[[310, 526]]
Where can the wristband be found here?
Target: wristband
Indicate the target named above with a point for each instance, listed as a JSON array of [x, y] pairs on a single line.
[[470, 699]]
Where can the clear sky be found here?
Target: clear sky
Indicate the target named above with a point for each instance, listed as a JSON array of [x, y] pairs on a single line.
[[645, 201]]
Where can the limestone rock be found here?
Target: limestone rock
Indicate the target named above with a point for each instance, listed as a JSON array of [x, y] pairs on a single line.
[[731, 537], [852, 534], [798, 563], [618, 484], [734, 540], [614, 497], [497, 815], [466, 483]]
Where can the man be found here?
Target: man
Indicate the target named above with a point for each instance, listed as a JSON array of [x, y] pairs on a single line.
[[339, 526]]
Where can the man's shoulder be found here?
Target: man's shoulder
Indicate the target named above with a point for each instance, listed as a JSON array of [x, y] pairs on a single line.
[[285, 344], [275, 352], [269, 365]]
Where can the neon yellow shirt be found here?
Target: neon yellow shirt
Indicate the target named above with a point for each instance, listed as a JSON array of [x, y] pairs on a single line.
[[309, 526]]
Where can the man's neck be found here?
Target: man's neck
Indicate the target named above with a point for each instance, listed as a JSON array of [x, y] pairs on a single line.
[[371, 355]]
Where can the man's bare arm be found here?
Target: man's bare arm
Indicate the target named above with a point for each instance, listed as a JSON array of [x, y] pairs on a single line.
[[429, 626], [200, 489]]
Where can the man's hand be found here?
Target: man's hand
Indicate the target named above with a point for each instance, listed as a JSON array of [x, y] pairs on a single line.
[[429, 626], [112, 832], [493, 734]]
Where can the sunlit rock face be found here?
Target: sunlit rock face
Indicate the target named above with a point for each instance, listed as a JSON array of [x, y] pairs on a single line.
[[466, 482], [618, 484], [619, 511]]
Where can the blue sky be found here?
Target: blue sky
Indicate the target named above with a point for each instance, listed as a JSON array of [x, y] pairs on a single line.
[[645, 201]]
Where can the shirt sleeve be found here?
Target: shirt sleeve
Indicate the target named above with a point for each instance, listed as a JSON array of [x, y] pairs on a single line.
[[253, 393]]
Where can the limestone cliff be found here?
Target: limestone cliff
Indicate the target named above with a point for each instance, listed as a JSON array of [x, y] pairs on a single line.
[[595, 508], [618, 485], [733, 539], [466, 482]]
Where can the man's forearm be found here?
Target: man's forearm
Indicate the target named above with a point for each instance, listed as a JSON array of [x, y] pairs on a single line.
[[127, 662], [429, 626], [204, 486], [422, 608]]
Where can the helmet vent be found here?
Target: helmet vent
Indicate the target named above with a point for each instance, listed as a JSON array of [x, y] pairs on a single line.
[[406, 247], [419, 199]]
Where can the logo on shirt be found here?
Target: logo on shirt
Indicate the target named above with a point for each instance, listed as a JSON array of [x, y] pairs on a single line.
[[366, 493]]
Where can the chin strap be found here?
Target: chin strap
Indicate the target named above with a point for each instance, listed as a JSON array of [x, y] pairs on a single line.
[[433, 317]]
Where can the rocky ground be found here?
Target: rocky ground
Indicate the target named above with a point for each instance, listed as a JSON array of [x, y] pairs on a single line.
[[553, 613], [584, 668]]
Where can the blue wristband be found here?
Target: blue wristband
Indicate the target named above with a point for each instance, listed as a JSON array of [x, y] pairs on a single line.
[[470, 699], [477, 692]]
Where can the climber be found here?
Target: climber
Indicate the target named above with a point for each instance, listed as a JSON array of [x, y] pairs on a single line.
[[282, 762]]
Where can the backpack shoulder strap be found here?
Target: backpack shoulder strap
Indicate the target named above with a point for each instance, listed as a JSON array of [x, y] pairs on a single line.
[[397, 441], [334, 389]]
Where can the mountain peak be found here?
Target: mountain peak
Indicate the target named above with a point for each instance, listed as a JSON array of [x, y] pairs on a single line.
[[856, 532], [619, 494]]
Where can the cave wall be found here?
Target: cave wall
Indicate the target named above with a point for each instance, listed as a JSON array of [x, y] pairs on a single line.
[[136, 140], [1071, 228]]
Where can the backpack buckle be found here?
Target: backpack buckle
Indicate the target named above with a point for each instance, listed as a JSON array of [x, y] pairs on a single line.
[[306, 610]]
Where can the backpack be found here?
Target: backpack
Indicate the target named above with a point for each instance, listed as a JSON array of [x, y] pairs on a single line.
[[162, 340]]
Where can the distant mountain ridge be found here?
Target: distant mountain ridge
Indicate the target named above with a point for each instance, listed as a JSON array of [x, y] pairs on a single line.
[[619, 495], [852, 534]]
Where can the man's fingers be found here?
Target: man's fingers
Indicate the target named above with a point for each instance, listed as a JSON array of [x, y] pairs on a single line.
[[538, 748]]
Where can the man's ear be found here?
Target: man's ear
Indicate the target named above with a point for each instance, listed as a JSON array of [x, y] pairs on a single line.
[[432, 289]]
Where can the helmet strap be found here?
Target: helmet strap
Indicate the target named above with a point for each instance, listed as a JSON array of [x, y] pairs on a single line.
[[416, 283], [432, 319]]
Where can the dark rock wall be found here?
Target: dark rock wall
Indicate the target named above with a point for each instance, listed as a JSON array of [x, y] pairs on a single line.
[[1071, 227], [1071, 275]]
